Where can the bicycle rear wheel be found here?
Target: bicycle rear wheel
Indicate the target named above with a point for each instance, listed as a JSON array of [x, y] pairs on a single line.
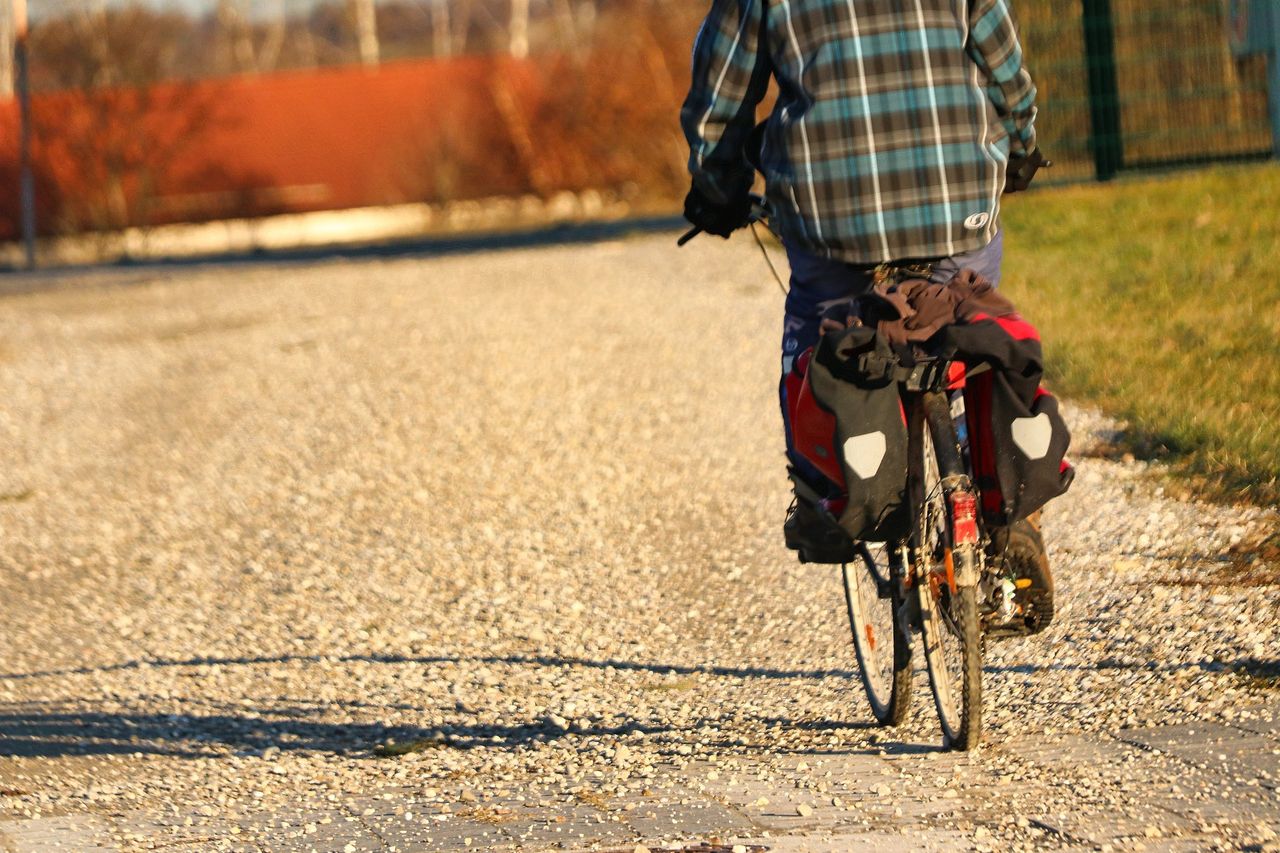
[[874, 601], [952, 633]]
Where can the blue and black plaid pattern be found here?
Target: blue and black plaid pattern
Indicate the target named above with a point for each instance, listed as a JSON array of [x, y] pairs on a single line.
[[893, 125]]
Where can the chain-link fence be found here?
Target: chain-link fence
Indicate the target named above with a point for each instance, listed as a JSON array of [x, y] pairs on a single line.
[[1134, 84]]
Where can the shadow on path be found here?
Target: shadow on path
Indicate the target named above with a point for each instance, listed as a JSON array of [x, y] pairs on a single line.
[[52, 733], [62, 728], [513, 660], [427, 246], [51, 730], [569, 662]]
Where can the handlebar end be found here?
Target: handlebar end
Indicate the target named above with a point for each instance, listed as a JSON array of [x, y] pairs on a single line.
[[688, 235]]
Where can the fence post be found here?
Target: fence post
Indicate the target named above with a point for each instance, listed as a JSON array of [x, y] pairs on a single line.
[[1273, 77], [1104, 92], [26, 183]]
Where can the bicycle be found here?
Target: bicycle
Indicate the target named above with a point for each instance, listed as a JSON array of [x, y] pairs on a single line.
[[938, 582], [929, 584]]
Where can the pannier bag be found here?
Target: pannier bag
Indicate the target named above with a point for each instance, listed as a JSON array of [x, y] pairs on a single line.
[[1017, 438], [1018, 451], [847, 420]]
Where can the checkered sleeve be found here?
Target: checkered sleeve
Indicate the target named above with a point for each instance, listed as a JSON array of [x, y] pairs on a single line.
[[993, 45], [730, 77]]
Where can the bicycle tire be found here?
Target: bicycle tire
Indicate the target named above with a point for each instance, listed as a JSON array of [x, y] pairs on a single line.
[[950, 628], [885, 671], [954, 623]]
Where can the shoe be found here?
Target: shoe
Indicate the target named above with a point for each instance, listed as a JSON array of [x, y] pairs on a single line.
[[1018, 551], [816, 536]]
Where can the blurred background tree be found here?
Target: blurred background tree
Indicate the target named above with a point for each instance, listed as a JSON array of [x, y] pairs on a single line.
[[574, 95], [110, 126]]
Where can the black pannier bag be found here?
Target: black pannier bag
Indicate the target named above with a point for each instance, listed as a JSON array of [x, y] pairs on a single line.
[[851, 378]]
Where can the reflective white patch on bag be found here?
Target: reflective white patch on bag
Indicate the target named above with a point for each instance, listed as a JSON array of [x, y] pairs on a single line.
[[864, 453], [1032, 435]]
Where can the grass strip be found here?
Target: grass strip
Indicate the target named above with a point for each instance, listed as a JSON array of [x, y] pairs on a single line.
[[1158, 300]]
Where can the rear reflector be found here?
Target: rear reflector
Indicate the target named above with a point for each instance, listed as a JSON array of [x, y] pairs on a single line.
[[964, 521]]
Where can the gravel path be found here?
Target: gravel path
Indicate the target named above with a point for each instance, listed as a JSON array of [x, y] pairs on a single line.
[[485, 550]]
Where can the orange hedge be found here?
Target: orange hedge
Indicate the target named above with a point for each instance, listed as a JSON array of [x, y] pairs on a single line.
[[417, 130]]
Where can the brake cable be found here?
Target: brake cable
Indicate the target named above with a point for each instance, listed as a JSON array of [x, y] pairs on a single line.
[[768, 260]]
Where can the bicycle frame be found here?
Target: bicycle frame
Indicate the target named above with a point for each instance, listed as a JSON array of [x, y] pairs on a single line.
[[932, 593]]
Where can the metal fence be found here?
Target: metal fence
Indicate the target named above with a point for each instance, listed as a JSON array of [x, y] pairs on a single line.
[[1135, 84]]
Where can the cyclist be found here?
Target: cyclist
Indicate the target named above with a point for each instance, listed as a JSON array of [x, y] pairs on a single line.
[[896, 129]]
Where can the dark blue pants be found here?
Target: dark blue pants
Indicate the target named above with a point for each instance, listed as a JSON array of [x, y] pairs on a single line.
[[820, 283]]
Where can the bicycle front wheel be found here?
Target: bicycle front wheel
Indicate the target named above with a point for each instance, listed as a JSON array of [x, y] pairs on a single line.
[[874, 601], [951, 631], [952, 652]]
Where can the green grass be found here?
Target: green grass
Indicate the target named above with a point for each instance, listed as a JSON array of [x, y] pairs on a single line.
[[1159, 300]]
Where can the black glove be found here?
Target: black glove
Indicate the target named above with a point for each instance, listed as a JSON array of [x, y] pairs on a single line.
[[1022, 168], [719, 219]]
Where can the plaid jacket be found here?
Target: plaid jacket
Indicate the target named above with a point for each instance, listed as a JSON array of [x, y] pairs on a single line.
[[893, 125]]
